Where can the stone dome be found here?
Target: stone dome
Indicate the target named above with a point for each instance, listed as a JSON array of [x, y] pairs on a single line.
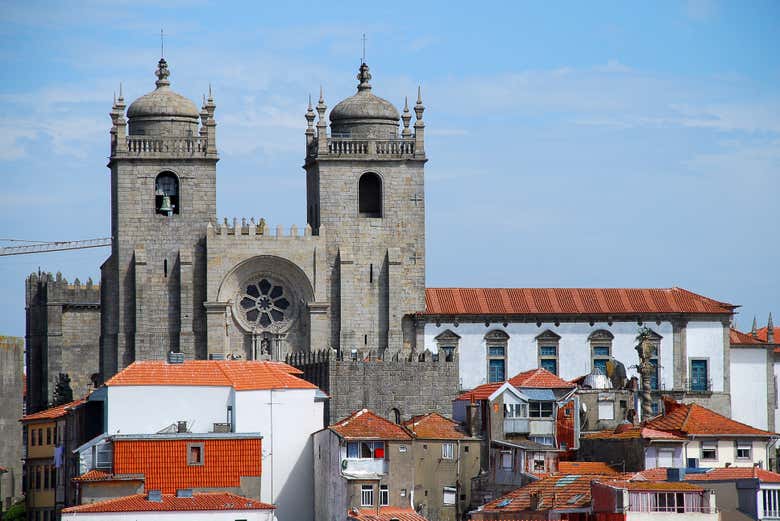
[[162, 105], [364, 112]]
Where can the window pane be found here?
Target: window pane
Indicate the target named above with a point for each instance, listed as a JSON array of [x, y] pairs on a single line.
[[698, 375], [496, 351], [365, 449], [352, 449], [549, 365], [601, 351], [496, 373], [547, 350], [601, 365]]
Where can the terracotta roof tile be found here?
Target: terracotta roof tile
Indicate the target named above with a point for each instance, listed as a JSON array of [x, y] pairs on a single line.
[[585, 467], [657, 474], [555, 492], [171, 503], [241, 375], [384, 514], [692, 418], [54, 412], [364, 424], [164, 462], [540, 379], [651, 486], [632, 433], [738, 338], [479, 393], [732, 473], [434, 426], [568, 301]]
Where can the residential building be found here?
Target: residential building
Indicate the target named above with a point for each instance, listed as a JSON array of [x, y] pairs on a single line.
[[362, 461], [631, 448], [606, 402], [11, 409], [51, 434], [365, 461], [262, 397], [569, 331], [576, 497], [714, 440], [524, 424], [445, 461], [125, 464], [186, 506]]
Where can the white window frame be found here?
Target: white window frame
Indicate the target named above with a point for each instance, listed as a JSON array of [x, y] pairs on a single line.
[[746, 445], [710, 446], [384, 495], [506, 455], [366, 495], [607, 407], [447, 451], [449, 496]]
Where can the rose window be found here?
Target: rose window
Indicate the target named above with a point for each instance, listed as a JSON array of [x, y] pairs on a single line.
[[264, 303]]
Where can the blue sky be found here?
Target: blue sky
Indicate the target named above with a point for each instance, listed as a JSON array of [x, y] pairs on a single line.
[[570, 144]]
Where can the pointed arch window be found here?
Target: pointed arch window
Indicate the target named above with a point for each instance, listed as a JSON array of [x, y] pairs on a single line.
[[370, 195], [496, 344], [166, 194]]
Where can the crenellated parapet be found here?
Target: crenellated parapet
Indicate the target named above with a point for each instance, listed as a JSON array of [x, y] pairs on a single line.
[[58, 290], [260, 230]]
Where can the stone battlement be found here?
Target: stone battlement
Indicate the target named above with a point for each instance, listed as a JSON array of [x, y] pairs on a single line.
[[58, 289], [259, 229]]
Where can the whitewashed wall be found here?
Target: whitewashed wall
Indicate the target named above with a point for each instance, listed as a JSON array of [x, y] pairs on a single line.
[[288, 465], [727, 453], [231, 515], [749, 386], [705, 340], [574, 357], [148, 409], [777, 401]]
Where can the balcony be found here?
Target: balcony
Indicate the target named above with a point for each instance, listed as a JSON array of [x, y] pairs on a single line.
[[542, 427], [360, 467], [347, 147], [516, 426], [698, 385]]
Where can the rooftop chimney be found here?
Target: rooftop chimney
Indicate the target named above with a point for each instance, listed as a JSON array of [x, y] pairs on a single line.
[[181, 426]]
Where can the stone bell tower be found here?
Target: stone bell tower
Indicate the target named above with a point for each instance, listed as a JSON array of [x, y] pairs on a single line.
[[365, 187], [163, 176]]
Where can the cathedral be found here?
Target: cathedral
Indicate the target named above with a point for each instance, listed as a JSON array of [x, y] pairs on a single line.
[[346, 290]]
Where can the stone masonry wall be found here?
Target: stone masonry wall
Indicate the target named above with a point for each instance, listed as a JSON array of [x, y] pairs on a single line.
[[63, 333], [11, 402], [414, 385]]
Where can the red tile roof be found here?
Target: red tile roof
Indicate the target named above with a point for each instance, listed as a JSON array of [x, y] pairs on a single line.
[[692, 418], [738, 338], [732, 473], [585, 467], [657, 474], [434, 426], [54, 412], [171, 503], [164, 462], [241, 375], [99, 475], [364, 424], [632, 433], [540, 379], [652, 486], [555, 492], [384, 514], [479, 393], [568, 301]]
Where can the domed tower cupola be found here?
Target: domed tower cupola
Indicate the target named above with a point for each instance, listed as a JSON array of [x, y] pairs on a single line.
[[163, 112], [364, 115]]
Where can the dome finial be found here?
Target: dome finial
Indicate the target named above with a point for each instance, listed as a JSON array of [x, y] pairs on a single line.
[[162, 74], [364, 77]]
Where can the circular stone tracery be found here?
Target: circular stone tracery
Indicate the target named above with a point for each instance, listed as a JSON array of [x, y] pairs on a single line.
[[264, 303]]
